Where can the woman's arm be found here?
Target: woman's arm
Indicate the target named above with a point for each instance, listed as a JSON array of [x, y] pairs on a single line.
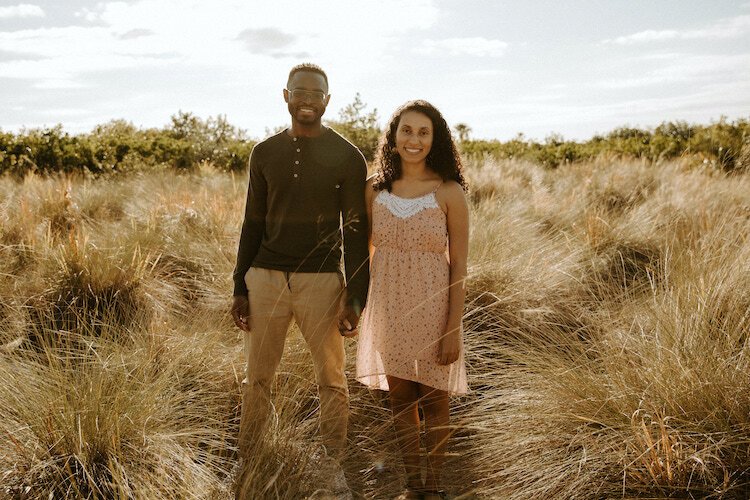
[[457, 214]]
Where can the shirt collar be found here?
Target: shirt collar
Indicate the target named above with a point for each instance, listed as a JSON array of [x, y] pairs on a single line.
[[289, 138]]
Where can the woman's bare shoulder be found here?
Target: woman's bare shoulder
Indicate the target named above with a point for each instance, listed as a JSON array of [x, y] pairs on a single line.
[[451, 192]]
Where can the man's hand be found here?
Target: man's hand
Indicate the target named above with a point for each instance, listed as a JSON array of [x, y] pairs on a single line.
[[241, 312], [450, 346], [347, 321]]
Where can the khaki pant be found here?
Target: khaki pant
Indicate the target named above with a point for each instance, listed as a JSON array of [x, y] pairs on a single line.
[[312, 299]]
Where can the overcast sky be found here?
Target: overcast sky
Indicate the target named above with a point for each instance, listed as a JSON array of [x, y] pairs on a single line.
[[502, 67]]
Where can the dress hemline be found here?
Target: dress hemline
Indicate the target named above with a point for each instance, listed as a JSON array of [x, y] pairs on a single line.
[[452, 392]]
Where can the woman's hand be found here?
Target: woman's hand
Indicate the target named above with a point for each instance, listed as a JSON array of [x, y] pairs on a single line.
[[450, 346]]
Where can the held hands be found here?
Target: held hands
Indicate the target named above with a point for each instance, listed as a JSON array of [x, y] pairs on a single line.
[[241, 312], [347, 321], [450, 346]]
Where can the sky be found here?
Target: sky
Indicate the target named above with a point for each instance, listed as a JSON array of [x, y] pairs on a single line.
[[537, 67]]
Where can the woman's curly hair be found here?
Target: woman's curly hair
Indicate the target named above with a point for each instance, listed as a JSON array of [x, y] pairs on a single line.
[[443, 158]]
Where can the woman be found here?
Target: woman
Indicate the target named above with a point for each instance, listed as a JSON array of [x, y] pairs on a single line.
[[410, 338]]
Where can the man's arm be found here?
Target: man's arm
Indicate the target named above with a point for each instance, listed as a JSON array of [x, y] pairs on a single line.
[[253, 224], [355, 228]]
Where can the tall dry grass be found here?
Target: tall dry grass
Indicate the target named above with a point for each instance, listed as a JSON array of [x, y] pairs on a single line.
[[619, 363], [606, 332]]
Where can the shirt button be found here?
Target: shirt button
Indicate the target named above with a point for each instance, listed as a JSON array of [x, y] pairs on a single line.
[[295, 139], [295, 175], [296, 162], [298, 150]]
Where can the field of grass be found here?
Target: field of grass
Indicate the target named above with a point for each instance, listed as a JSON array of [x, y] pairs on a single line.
[[606, 331]]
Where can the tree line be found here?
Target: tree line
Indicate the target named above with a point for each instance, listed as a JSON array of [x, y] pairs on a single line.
[[188, 141], [723, 144]]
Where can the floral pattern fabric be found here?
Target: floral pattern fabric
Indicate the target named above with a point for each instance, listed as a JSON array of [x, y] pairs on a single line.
[[407, 304]]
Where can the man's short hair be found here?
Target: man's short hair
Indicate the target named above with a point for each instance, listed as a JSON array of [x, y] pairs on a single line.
[[309, 67]]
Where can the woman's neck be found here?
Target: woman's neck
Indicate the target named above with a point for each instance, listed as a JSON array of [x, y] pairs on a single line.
[[414, 171], [417, 172]]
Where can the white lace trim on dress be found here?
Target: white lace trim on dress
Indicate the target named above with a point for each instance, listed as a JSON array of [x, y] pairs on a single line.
[[406, 207]]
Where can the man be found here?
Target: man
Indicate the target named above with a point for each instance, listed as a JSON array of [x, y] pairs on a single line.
[[306, 193]]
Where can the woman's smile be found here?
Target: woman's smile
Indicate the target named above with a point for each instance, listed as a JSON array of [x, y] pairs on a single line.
[[414, 137]]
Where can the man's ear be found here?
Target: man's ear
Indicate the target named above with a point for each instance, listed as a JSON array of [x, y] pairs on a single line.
[[328, 98], [286, 95]]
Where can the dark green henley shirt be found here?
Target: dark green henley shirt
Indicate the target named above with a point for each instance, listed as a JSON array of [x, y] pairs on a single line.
[[304, 195]]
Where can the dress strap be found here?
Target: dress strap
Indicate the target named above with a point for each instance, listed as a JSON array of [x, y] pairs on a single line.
[[437, 187]]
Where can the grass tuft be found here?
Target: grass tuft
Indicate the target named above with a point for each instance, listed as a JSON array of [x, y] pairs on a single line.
[[606, 335]]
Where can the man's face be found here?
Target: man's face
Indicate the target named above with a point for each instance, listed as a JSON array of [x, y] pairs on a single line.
[[306, 97]]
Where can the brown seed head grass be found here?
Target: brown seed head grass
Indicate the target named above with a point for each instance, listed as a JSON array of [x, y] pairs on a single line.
[[606, 341]]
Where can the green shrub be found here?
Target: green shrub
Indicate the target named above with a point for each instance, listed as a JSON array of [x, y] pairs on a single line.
[[118, 147], [189, 141], [718, 144], [359, 127]]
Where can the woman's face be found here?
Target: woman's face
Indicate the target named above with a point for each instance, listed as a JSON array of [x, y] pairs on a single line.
[[414, 137]]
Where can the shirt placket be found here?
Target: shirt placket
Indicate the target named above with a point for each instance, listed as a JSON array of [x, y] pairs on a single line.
[[297, 162]]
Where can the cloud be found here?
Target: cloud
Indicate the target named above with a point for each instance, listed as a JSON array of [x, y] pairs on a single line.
[[70, 53], [225, 34], [21, 11], [733, 27], [150, 56], [264, 39], [59, 113], [59, 84], [292, 55], [681, 69], [135, 33], [6, 55], [636, 82], [88, 14], [536, 117], [485, 72], [647, 36], [474, 46], [192, 46], [268, 41]]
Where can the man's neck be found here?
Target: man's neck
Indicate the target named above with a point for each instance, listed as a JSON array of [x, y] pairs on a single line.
[[299, 130]]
